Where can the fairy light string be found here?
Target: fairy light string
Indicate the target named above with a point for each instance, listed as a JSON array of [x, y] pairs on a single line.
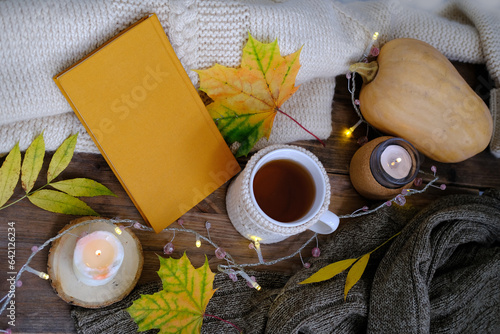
[[371, 50]]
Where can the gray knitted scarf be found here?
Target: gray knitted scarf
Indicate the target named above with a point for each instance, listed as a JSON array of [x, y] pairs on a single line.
[[440, 275]]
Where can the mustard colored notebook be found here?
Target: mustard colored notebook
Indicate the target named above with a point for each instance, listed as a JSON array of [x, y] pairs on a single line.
[[145, 116]]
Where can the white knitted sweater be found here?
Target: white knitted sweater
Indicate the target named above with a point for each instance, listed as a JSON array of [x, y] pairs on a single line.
[[40, 38]]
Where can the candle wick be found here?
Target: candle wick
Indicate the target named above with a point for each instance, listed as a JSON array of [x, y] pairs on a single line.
[[395, 161]]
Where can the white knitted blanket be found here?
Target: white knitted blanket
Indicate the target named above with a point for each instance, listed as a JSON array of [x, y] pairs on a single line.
[[38, 39]]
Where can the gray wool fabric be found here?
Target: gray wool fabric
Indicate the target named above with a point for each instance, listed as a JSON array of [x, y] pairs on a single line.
[[440, 275]]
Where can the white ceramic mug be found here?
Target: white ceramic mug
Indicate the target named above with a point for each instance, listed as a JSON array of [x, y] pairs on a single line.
[[254, 224]]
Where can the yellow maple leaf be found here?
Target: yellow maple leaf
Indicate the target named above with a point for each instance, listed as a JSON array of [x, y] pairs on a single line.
[[247, 99], [180, 306]]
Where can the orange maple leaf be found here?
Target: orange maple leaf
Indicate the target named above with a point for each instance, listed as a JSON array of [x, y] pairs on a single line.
[[247, 99]]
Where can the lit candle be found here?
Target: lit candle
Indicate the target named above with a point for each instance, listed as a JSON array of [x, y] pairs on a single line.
[[97, 258], [396, 161], [381, 168]]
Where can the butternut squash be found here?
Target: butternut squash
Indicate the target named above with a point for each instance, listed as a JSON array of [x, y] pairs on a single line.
[[414, 92]]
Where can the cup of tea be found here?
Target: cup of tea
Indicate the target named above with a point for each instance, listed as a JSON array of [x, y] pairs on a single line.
[[283, 190]]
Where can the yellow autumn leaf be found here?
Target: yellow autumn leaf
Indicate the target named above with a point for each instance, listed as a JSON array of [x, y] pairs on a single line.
[[32, 163], [61, 158], [9, 174], [355, 273], [58, 202], [180, 306], [247, 99], [329, 271], [82, 187]]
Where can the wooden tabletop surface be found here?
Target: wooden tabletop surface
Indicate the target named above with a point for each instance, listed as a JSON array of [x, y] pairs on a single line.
[[40, 310]]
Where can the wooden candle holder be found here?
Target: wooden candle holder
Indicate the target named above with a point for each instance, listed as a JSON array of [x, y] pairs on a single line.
[[361, 175], [67, 286]]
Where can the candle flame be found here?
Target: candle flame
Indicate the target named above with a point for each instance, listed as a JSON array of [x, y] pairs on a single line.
[[98, 252], [397, 160]]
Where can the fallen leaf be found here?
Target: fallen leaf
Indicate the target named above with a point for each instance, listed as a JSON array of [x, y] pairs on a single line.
[[32, 163], [9, 174], [55, 201], [60, 160], [180, 306], [329, 271], [355, 273], [82, 187], [247, 99]]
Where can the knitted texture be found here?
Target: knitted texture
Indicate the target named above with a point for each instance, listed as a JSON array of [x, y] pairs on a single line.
[[245, 216], [40, 39], [487, 23], [37, 42], [439, 276], [443, 240]]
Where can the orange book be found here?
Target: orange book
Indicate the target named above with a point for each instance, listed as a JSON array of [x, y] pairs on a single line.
[[145, 116]]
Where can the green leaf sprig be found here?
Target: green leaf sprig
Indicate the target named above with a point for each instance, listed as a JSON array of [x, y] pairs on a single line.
[[64, 198], [358, 267]]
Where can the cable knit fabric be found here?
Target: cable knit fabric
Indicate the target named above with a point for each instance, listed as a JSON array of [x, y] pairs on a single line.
[[40, 39]]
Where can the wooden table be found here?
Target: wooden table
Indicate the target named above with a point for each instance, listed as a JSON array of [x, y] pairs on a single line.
[[40, 310]]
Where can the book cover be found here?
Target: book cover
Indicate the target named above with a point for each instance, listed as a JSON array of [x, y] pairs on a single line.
[[147, 119]]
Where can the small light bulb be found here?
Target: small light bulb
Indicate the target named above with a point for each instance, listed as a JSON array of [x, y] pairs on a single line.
[[198, 241], [98, 252], [375, 36], [349, 131], [118, 230], [249, 280], [255, 239], [38, 273]]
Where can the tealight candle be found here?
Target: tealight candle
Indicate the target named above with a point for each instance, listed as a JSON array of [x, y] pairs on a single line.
[[396, 161], [97, 258], [381, 168]]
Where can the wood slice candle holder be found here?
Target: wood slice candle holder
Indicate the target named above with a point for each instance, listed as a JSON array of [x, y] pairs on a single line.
[[70, 289]]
